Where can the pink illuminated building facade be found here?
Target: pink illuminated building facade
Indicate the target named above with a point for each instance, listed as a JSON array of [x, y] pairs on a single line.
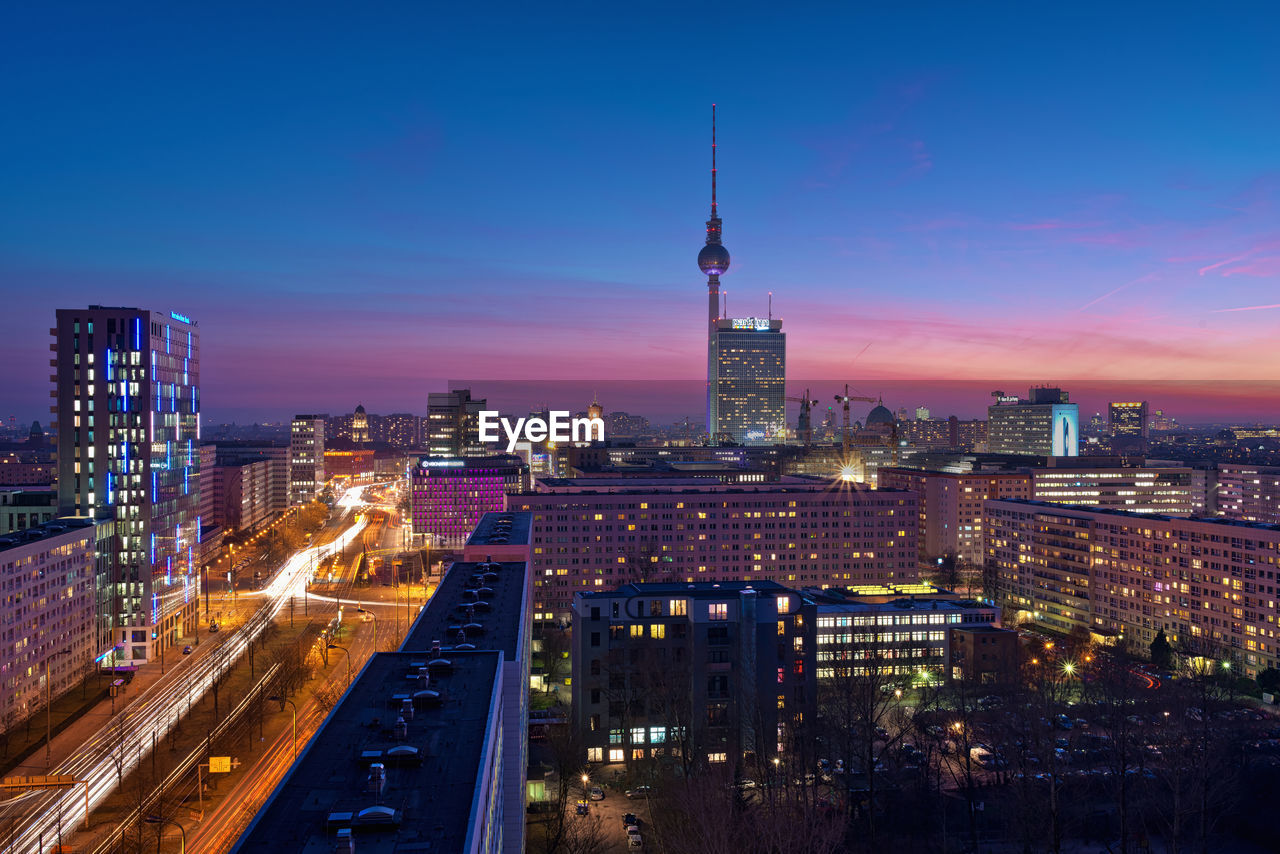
[[450, 494], [797, 535]]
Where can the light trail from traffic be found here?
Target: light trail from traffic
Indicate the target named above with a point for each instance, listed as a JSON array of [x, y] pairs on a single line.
[[153, 714]]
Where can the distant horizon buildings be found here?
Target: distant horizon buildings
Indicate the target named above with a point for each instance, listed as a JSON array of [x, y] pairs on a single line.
[[128, 419]]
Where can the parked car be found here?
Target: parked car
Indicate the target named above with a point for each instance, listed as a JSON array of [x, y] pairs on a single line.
[[639, 792], [746, 784], [186, 650], [630, 820], [634, 840], [597, 793]]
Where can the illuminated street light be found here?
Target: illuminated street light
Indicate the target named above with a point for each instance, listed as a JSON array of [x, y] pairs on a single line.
[[1069, 668]]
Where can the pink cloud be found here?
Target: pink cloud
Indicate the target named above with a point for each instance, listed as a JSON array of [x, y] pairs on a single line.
[[1246, 308]]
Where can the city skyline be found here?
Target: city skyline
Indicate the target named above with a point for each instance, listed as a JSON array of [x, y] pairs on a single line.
[[973, 203]]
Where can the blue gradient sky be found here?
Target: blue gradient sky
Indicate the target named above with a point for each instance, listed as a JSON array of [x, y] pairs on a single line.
[[357, 203]]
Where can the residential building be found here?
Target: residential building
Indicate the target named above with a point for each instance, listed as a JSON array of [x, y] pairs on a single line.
[[128, 415], [49, 589], [793, 534], [22, 509], [306, 459], [1209, 583], [1249, 493]]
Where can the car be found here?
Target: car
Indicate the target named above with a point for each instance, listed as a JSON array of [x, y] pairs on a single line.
[[635, 842], [187, 650], [630, 820], [747, 784], [597, 793], [639, 792], [582, 808]]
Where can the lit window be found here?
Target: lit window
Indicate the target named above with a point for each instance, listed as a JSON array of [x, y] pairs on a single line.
[[718, 611]]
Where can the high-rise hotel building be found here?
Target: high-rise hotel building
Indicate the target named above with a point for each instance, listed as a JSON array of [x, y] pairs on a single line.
[[748, 385], [128, 404], [1044, 424]]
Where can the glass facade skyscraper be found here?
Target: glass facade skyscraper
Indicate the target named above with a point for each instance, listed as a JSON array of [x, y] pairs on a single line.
[[128, 410], [748, 381]]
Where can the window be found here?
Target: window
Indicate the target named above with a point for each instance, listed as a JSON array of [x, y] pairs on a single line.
[[615, 736], [657, 631], [679, 607], [595, 667], [595, 754], [637, 735], [637, 630], [717, 757], [784, 604], [657, 734], [615, 755], [655, 608], [595, 640], [717, 611]]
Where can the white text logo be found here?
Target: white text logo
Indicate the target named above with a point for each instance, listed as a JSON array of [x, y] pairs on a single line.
[[559, 428]]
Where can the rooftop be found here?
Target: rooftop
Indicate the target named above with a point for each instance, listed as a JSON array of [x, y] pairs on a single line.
[[47, 531], [502, 529], [1129, 514], [431, 765], [700, 588], [483, 600]]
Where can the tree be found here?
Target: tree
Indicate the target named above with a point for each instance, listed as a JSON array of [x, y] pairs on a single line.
[[1269, 680], [1161, 651]]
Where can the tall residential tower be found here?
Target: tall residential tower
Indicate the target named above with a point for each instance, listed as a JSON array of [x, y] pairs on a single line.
[[128, 404]]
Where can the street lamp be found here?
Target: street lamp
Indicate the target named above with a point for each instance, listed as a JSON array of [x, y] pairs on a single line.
[[294, 710], [348, 652], [155, 819], [584, 785]]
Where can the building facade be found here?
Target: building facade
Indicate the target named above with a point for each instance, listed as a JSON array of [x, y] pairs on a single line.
[[1173, 490], [951, 505], [453, 423], [793, 534], [451, 494], [1044, 424], [1248, 493], [128, 404], [22, 509], [1210, 584], [49, 591], [748, 384], [306, 459]]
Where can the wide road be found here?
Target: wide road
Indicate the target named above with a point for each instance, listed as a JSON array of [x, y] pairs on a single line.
[[127, 738]]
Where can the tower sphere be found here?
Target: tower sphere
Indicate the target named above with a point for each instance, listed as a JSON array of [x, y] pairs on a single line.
[[713, 259]]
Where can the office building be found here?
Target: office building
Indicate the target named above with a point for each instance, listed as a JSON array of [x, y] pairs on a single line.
[[1249, 493], [428, 749], [1170, 489], [128, 404], [1129, 429], [1209, 583], [278, 459], [49, 592], [792, 534], [401, 430], [306, 459], [1044, 424], [450, 494], [453, 424]]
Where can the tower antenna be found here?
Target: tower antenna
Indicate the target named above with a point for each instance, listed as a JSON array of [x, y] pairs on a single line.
[[770, 306], [713, 161]]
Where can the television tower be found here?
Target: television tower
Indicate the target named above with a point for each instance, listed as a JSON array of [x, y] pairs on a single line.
[[713, 260]]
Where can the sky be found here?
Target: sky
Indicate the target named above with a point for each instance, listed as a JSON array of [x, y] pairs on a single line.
[[363, 202]]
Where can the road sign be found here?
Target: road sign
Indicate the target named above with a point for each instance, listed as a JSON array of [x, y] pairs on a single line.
[[219, 764]]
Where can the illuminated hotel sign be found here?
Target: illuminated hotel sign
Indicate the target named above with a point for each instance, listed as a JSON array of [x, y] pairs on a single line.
[[759, 324], [181, 317], [1001, 401], [440, 464]]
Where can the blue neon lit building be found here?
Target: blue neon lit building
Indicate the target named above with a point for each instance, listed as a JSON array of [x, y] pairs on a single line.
[[128, 414]]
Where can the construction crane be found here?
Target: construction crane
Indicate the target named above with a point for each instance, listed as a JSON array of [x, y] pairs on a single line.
[[845, 398], [804, 425]]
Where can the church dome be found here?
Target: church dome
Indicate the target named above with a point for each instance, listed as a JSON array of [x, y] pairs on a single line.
[[880, 415]]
